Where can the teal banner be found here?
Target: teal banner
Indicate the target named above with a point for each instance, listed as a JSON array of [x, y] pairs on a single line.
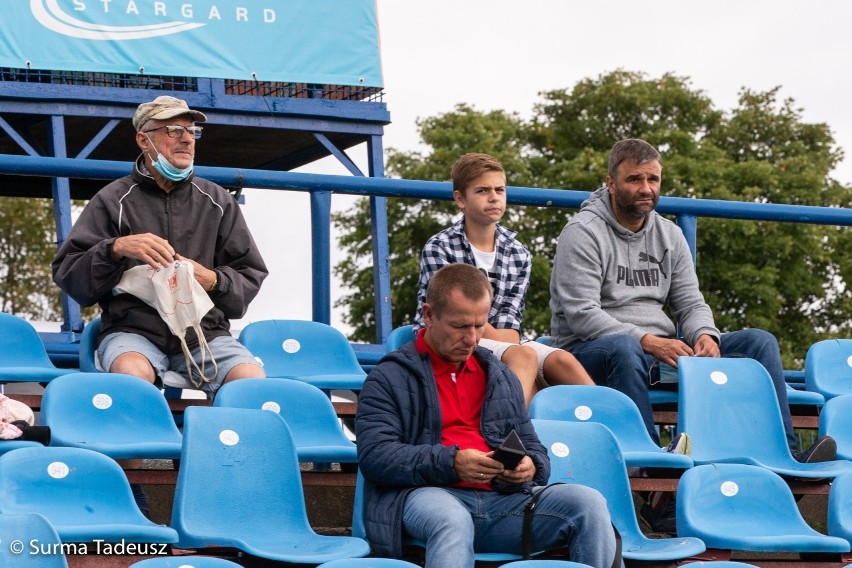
[[294, 41]]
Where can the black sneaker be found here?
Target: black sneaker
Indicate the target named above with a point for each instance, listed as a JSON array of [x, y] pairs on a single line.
[[823, 450], [658, 512]]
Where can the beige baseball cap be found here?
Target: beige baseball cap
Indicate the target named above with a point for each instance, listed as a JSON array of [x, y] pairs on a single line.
[[164, 108]]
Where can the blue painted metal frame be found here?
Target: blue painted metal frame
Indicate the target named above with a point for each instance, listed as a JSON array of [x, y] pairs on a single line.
[[322, 187]]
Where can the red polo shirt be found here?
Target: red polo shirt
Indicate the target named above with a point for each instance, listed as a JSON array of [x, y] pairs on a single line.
[[461, 392]]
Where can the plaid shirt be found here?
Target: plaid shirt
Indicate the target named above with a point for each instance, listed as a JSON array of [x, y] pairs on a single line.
[[512, 265]]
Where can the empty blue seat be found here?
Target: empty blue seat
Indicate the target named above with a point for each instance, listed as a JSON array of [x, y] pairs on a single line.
[[840, 507], [185, 562], [28, 528], [118, 415], [398, 337], [83, 493], [828, 367], [835, 420], [745, 507], [23, 357], [614, 409], [804, 397], [730, 410], [587, 453], [239, 485], [9, 445], [307, 410], [308, 351]]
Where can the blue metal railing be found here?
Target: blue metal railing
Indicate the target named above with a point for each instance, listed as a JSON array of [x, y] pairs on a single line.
[[322, 186]]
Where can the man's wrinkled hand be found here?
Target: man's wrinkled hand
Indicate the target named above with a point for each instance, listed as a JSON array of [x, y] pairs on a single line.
[[154, 251]]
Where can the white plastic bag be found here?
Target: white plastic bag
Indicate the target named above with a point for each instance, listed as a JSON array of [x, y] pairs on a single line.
[[180, 301]]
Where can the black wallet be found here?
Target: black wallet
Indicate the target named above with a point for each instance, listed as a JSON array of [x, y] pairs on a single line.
[[511, 451]]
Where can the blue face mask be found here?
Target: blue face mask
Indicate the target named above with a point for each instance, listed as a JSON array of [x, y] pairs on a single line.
[[167, 170]]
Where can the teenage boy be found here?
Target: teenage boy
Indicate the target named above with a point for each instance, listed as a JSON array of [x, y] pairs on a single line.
[[479, 189]]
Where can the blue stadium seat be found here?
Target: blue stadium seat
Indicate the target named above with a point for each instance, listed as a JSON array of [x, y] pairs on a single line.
[[368, 563], [835, 420], [118, 415], [307, 410], [840, 507], [83, 493], [828, 367], [745, 507], [719, 564], [89, 345], [28, 527], [399, 337], [9, 445], [308, 351], [580, 403], [587, 453], [185, 562], [544, 564], [239, 485], [23, 357], [804, 397], [730, 410]]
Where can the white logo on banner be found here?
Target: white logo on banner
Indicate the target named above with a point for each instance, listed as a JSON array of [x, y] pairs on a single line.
[[50, 15]]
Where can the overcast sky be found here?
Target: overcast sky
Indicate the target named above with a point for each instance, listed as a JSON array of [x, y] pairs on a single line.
[[500, 54]]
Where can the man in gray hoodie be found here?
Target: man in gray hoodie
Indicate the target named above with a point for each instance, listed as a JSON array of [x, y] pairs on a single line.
[[618, 265]]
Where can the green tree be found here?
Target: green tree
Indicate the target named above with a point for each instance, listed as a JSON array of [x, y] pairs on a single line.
[[27, 247], [784, 277]]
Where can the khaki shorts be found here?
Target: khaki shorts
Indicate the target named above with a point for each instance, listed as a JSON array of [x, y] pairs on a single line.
[[227, 351]]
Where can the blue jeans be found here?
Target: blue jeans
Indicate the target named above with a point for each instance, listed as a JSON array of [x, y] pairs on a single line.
[[618, 361], [453, 522]]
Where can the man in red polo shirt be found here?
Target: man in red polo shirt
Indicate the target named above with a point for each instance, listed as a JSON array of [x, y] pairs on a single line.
[[429, 417]]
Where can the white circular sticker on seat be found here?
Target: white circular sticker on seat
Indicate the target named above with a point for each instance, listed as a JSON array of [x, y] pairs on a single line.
[[719, 377], [729, 488], [229, 437], [291, 345], [272, 406], [559, 450], [102, 401], [583, 412], [57, 470]]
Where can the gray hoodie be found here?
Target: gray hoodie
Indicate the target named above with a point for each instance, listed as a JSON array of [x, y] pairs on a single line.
[[608, 280]]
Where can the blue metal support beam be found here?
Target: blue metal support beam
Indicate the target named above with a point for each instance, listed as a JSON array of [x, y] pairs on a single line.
[[61, 188], [386, 187], [321, 255], [381, 247], [689, 225]]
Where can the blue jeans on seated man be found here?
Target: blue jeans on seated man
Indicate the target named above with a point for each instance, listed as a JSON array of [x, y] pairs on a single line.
[[453, 522], [618, 361]]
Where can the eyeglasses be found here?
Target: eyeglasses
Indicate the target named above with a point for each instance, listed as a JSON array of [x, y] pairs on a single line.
[[177, 131]]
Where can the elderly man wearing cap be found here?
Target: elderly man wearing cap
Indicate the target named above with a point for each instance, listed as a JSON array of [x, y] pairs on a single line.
[[158, 214]]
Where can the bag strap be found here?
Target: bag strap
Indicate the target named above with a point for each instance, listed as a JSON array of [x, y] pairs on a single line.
[[526, 531]]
